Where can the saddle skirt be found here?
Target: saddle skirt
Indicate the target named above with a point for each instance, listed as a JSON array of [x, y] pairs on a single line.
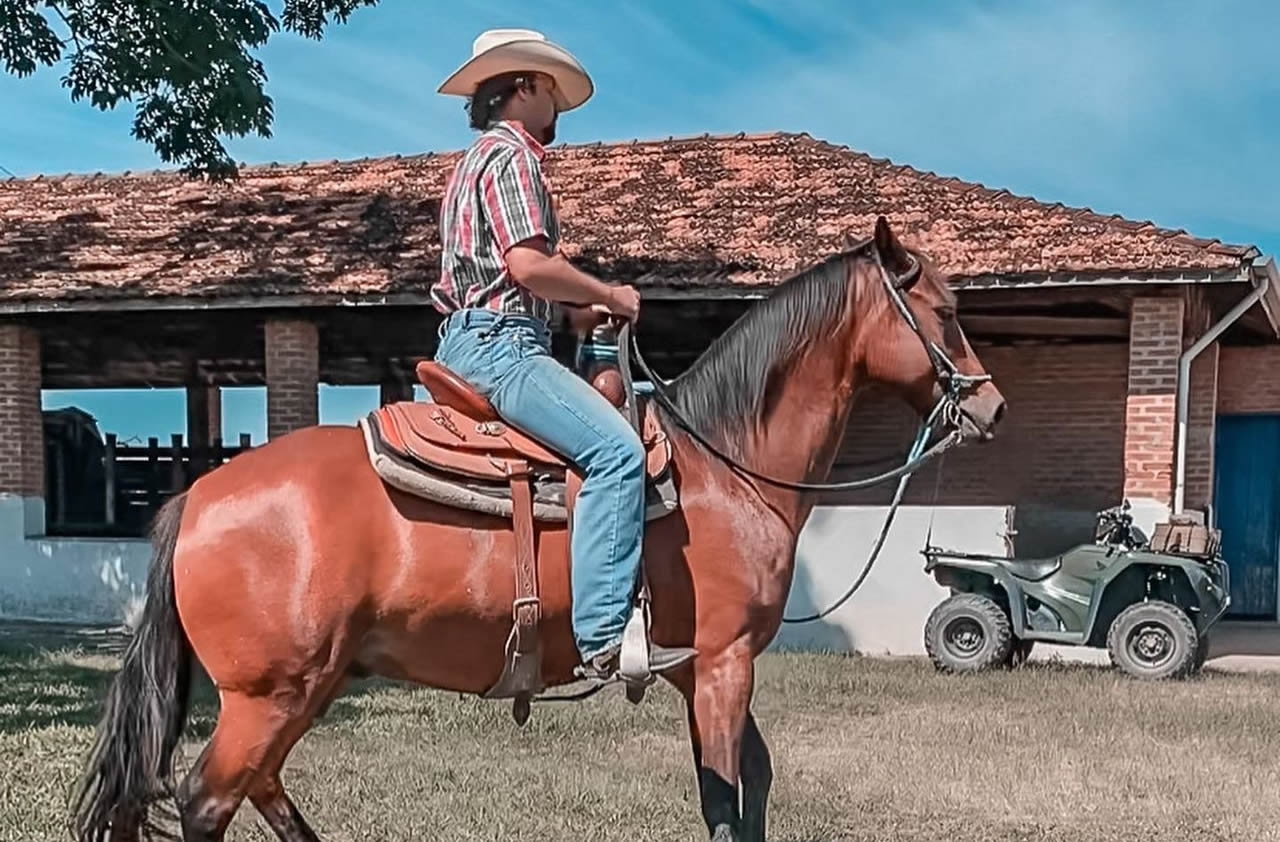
[[455, 450]]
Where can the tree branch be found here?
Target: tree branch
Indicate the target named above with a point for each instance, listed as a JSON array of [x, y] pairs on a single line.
[[75, 37], [172, 50]]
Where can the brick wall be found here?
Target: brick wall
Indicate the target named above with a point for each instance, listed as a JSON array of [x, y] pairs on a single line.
[[1249, 380], [1155, 342], [1201, 426], [293, 365], [21, 422], [1062, 441]]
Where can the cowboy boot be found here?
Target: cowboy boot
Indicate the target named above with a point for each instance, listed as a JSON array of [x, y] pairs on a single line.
[[605, 666]]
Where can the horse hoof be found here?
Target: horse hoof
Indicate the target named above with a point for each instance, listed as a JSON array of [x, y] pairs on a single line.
[[635, 693], [520, 710]]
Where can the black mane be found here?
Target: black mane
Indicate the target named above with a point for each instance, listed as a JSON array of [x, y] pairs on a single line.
[[726, 391]]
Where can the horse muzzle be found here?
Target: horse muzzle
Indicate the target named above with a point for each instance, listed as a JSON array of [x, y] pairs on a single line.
[[980, 414]]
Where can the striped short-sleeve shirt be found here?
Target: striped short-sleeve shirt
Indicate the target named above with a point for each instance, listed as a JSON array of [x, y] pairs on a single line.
[[496, 197]]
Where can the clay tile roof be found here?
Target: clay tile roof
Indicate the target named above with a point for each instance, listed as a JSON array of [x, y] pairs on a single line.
[[738, 209]]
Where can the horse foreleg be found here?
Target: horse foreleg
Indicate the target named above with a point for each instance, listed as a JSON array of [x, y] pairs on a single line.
[[720, 697], [757, 777]]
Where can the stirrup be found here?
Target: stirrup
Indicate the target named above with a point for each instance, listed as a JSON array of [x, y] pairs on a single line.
[[633, 658], [632, 654]]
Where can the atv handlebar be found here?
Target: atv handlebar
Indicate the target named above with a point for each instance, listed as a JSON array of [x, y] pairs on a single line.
[[1115, 526]]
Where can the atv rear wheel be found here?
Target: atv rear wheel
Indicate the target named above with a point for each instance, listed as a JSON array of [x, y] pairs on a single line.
[[967, 633], [1153, 641]]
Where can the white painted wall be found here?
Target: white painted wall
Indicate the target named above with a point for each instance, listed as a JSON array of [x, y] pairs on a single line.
[[888, 612], [1147, 513], [65, 579]]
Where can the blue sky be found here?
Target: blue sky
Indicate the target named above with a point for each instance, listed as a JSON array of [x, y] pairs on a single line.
[[1162, 111]]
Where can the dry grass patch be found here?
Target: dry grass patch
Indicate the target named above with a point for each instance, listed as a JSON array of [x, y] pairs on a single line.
[[863, 749]]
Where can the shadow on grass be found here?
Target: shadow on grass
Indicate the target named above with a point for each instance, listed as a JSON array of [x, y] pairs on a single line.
[[41, 691], [51, 676]]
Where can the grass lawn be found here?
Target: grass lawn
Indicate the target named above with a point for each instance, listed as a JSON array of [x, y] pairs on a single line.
[[864, 749]]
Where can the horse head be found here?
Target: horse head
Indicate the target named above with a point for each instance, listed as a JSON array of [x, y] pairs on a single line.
[[923, 352]]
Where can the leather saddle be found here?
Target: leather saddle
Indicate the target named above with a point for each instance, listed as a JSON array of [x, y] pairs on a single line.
[[454, 449], [460, 432]]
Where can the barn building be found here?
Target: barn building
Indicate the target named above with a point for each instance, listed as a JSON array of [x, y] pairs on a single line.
[[310, 273]]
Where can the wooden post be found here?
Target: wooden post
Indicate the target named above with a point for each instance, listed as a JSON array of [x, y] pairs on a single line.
[[177, 474], [394, 386], [153, 472], [201, 401], [59, 484], [214, 393], [109, 480], [246, 441]]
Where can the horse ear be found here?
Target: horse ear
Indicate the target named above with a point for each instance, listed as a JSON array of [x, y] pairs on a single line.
[[892, 253]]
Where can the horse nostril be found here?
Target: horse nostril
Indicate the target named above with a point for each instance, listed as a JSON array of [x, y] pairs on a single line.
[[998, 415]]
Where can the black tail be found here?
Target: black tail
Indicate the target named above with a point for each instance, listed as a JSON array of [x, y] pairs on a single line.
[[130, 765]]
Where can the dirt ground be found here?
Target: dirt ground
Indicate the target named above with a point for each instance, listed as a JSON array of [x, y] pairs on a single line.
[[864, 749]]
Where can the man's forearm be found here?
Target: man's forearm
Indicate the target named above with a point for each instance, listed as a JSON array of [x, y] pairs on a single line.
[[554, 278]]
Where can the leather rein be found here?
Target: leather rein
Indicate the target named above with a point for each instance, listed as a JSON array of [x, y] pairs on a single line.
[[947, 413]]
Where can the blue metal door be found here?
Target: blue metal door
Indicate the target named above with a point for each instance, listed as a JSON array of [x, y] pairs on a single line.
[[1247, 501]]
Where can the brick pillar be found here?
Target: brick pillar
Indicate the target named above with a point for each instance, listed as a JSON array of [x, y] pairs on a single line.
[[1155, 342], [293, 375], [21, 424], [1202, 428]]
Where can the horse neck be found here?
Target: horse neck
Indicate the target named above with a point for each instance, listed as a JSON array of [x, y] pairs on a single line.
[[801, 436]]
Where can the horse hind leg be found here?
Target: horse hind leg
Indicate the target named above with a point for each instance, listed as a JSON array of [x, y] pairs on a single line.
[[252, 735], [267, 793], [278, 810]]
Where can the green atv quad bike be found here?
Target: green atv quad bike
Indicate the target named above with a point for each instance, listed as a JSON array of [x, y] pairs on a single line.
[[1149, 603]]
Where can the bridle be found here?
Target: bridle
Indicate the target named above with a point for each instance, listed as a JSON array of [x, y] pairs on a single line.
[[947, 413]]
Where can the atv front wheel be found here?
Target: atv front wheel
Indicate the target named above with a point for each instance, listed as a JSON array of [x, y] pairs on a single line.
[[1019, 653], [967, 633], [1202, 652], [1153, 641]]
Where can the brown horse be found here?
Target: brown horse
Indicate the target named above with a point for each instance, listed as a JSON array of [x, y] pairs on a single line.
[[294, 566]]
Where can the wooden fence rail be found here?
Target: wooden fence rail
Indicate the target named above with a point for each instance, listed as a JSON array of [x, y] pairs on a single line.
[[115, 489]]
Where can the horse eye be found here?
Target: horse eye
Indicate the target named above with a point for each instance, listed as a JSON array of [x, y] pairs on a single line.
[[946, 313]]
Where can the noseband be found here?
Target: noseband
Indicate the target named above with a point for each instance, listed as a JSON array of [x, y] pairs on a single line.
[[946, 414]]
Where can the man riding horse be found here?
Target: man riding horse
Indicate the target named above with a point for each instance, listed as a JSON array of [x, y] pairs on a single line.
[[504, 284]]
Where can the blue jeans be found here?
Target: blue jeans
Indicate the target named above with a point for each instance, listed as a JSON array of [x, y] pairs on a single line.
[[507, 358]]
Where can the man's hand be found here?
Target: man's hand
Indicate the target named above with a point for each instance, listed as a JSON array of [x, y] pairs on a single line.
[[584, 319], [623, 301]]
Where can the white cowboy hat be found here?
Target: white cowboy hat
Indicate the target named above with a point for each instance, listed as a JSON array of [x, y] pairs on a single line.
[[498, 51]]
